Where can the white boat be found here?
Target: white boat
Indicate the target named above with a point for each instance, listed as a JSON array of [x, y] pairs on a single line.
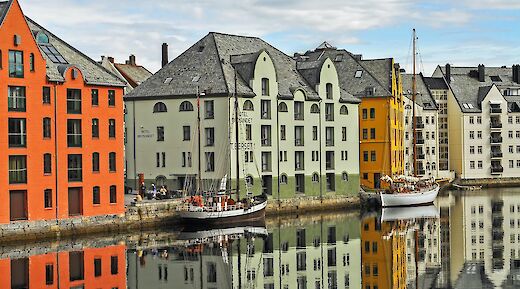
[[416, 197], [418, 212]]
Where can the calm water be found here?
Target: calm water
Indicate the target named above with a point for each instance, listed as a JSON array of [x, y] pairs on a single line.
[[464, 241]]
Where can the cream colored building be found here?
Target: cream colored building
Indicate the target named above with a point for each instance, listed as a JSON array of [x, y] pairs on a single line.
[[483, 120], [297, 127]]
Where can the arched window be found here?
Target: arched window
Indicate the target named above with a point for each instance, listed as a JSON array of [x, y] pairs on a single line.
[[344, 176], [283, 179], [248, 105], [249, 181], [315, 108], [282, 107], [315, 178], [186, 106], [343, 110], [161, 107], [42, 38], [328, 90]]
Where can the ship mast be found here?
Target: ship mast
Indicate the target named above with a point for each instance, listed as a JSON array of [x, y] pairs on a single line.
[[414, 121]]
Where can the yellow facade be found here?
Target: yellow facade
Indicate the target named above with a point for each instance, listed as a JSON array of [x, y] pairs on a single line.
[[381, 129], [383, 256]]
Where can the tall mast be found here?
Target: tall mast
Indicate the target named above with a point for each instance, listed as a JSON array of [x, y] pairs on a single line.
[[414, 121], [237, 154], [199, 175]]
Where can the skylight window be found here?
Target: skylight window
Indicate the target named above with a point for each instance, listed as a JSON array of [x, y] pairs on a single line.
[[358, 74], [168, 80], [52, 53]]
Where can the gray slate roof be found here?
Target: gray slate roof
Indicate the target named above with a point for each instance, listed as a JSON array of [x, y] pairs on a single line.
[[467, 89], [93, 72], [347, 65], [207, 64], [423, 97]]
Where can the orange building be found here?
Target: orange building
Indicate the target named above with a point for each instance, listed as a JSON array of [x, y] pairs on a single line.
[[61, 118], [89, 268]]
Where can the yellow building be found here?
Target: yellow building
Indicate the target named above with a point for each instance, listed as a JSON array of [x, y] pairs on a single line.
[[377, 83], [383, 255]]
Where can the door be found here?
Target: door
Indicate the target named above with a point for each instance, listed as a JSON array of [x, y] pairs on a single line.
[[267, 185], [75, 202], [377, 181], [18, 205]]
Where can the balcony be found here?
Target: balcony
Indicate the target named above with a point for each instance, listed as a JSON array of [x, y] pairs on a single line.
[[495, 109], [495, 140], [496, 154], [495, 125], [497, 169]]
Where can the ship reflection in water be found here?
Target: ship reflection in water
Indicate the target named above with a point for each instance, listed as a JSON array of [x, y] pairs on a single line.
[[463, 241]]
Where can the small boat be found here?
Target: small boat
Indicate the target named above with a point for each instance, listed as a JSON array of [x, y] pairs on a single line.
[[466, 188], [409, 191]]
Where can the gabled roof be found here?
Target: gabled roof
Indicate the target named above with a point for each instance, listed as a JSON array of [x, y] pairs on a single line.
[[92, 71], [423, 97], [468, 90], [348, 67], [207, 65]]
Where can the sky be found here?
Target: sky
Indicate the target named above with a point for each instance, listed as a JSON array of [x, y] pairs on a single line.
[[460, 32]]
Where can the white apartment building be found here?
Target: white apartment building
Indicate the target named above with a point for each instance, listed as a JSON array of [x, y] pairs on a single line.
[[298, 129], [483, 120]]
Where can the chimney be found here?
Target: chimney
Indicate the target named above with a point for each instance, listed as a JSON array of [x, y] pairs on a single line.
[[481, 72], [111, 59], [448, 73], [164, 54], [131, 59]]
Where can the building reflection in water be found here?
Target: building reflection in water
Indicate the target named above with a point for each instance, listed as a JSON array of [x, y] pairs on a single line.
[[78, 269], [320, 252]]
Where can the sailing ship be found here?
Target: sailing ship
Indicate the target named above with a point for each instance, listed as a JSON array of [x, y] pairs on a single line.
[[406, 190], [218, 206]]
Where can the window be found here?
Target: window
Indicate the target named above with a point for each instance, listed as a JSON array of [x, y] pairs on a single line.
[[186, 134], [328, 90], [265, 86], [47, 198], [343, 110], [74, 138], [74, 168], [73, 101], [46, 95], [282, 132], [209, 109], [113, 194], [46, 127], [95, 128], [94, 94], [112, 162], [16, 98], [210, 136], [298, 110], [114, 265], [186, 106], [96, 195], [266, 135], [344, 133], [298, 136], [210, 161], [111, 98], [372, 113], [160, 107], [160, 133], [17, 133], [265, 109], [95, 162], [248, 105], [315, 108], [15, 64], [49, 274], [111, 128], [329, 111], [282, 107], [47, 163]]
